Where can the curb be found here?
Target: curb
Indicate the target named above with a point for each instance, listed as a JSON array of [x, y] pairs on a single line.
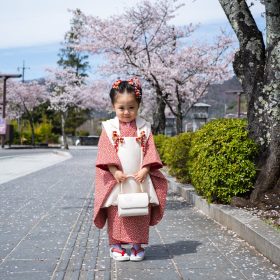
[[62, 153], [250, 228], [29, 147]]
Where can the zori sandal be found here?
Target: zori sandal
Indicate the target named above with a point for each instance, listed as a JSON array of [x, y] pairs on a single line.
[[137, 255], [119, 254]]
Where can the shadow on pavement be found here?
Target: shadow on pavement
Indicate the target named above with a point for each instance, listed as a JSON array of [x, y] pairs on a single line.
[[167, 251], [175, 202]]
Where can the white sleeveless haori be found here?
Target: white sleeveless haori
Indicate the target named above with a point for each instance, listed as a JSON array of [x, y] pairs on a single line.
[[131, 155]]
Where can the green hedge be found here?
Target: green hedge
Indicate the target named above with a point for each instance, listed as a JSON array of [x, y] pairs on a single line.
[[222, 160], [218, 159], [175, 155], [42, 132], [159, 141]]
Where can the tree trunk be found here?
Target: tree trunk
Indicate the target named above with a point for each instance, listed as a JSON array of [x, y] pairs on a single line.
[[158, 126], [63, 119], [269, 176], [179, 123], [179, 113], [258, 69], [31, 122], [32, 131]]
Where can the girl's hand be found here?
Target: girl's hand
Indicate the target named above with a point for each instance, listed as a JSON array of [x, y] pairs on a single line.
[[118, 174], [141, 175]]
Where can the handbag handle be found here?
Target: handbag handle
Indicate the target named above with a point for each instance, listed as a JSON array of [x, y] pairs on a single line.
[[131, 176]]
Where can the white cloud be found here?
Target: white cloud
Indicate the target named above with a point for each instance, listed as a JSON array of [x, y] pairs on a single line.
[[32, 22]]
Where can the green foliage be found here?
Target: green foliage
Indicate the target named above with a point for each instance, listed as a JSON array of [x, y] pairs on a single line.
[[176, 155], [75, 118], [82, 133], [159, 142], [222, 160], [43, 132], [22, 132]]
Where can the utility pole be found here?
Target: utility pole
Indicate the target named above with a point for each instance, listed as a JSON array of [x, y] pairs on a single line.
[[5, 77], [23, 68]]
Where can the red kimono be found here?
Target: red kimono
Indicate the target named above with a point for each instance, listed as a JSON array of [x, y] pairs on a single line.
[[126, 229]]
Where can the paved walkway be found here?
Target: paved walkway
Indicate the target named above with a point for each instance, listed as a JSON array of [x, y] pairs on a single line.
[[15, 166], [46, 232]]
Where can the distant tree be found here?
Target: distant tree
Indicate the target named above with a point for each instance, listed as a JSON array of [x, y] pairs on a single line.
[[68, 94], [70, 57], [23, 98], [257, 65], [65, 91]]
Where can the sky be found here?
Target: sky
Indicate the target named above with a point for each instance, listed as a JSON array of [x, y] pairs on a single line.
[[32, 30]]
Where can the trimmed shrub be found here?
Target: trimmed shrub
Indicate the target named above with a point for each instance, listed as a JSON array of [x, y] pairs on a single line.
[[176, 155], [222, 160], [43, 131], [159, 142]]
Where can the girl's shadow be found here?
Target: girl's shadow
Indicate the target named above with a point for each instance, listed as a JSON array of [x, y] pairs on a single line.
[[167, 251], [176, 202]]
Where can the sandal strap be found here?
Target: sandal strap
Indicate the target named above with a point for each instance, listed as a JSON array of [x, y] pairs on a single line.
[[122, 251], [135, 252]]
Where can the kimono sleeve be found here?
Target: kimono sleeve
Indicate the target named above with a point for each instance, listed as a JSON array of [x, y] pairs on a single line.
[[106, 154], [151, 156]]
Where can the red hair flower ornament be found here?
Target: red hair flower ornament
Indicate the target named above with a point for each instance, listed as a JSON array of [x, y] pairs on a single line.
[[134, 82]]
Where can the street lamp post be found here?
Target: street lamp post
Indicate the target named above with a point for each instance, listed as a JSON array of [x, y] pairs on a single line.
[[5, 77], [238, 94], [199, 114]]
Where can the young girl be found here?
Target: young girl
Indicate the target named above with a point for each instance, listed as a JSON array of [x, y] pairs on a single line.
[[127, 156]]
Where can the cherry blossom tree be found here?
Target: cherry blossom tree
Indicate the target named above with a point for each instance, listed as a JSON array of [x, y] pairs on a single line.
[[95, 95], [24, 98], [129, 40], [68, 90], [142, 42], [186, 74], [65, 91], [257, 65]]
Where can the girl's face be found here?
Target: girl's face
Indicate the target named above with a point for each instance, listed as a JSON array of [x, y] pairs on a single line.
[[126, 107]]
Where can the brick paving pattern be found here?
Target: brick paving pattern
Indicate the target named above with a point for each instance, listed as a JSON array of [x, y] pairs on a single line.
[[46, 232]]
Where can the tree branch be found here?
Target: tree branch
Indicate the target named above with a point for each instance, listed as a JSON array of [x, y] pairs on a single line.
[[240, 18], [272, 10], [252, 49]]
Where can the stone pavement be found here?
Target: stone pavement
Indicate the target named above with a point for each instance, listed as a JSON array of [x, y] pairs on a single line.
[[12, 166], [46, 232]]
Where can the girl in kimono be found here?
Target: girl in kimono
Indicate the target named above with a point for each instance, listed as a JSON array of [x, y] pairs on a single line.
[[127, 155]]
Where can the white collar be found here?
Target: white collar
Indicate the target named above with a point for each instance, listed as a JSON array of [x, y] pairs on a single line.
[[140, 122]]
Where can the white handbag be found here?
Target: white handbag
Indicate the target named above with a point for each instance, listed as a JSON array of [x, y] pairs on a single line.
[[133, 204]]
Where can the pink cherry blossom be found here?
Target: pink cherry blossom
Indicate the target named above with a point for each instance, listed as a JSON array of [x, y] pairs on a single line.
[[142, 42]]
